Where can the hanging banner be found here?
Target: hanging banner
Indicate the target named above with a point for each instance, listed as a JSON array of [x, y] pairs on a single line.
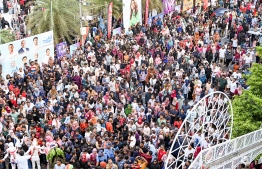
[[168, 6], [117, 31], [84, 31], [187, 4], [131, 13], [109, 19], [61, 49], [205, 4], [73, 48], [156, 17], [198, 2], [146, 11], [14, 55]]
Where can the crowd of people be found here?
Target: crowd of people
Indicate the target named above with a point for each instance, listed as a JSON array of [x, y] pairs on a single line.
[[118, 103], [17, 10]]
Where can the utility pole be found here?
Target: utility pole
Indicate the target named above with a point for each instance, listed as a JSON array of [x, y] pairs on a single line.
[[81, 25], [52, 21]]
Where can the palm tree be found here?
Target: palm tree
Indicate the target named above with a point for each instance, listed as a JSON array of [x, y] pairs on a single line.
[[100, 5], [66, 19], [118, 6], [154, 4], [6, 36]]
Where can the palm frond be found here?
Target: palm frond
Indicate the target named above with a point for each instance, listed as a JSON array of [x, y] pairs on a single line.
[[154, 4], [64, 18], [101, 5], [6, 36]]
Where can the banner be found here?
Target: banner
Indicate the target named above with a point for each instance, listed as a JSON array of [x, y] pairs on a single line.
[[73, 48], [187, 4], [205, 4], [146, 11], [117, 31], [198, 2], [131, 13], [159, 16], [14, 55], [168, 6], [109, 19], [61, 50], [84, 35]]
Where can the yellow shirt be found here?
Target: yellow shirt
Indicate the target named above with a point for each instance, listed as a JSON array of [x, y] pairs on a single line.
[[142, 164]]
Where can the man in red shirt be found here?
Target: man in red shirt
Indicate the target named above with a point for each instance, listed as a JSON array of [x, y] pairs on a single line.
[[161, 152], [146, 154]]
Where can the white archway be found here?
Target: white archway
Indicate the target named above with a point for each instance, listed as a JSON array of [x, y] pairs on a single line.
[[209, 123]]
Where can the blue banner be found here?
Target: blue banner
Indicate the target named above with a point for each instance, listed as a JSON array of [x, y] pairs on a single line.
[[15, 54], [73, 48]]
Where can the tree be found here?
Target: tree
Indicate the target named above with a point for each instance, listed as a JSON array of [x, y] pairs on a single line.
[[154, 4], [118, 6], [6, 36], [248, 106], [66, 19], [99, 7]]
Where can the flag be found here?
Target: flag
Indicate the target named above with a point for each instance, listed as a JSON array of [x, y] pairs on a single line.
[[146, 11], [109, 20]]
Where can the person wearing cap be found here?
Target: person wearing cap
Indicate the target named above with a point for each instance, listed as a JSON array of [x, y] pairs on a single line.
[[109, 151], [102, 157]]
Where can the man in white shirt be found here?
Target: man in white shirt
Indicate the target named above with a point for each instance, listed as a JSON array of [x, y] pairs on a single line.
[[189, 150], [248, 59], [233, 86], [237, 75], [59, 165], [29, 106], [112, 85], [222, 52], [86, 68], [22, 159], [20, 99]]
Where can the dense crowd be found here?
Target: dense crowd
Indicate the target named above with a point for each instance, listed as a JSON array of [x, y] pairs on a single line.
[[17, 10], [116, 103]]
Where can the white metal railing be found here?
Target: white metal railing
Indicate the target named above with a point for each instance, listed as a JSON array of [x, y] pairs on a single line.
[[208, 156]]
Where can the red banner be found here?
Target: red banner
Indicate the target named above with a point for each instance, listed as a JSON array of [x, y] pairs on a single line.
[[82, 40], [205, 4], [109, 20], [146, 11]]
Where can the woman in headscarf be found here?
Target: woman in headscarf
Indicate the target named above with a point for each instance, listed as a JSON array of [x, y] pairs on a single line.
[[150, 72], [53, 92], [77, 79]]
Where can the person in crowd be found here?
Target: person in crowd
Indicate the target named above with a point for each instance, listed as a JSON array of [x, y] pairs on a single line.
[[119, 102]]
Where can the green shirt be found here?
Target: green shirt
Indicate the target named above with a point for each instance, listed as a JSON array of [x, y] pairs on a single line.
[[14, 116], [222, 83]]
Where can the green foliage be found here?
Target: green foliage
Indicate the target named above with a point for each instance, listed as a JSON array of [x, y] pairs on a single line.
[[248, 106], [101, 5], [55, 154], [65, 18], [6, 36], [118, 6], [153, 4]]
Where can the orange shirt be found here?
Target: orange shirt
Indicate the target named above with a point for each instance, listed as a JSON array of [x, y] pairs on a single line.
[[109, 127], [94, 120]]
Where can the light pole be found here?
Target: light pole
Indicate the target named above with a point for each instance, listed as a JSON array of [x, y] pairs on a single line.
[[80, 13], [52, 22], [81, 25]]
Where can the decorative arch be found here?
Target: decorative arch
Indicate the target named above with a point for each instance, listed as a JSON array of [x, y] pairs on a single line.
[[208, 123]]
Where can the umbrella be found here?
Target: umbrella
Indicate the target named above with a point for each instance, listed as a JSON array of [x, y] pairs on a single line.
[[220, 11]]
